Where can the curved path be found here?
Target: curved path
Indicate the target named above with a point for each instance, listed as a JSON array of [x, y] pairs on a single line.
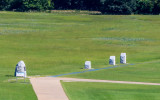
[[49, 88]]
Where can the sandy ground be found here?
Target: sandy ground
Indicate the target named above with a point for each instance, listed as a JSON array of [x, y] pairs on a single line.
[[49, 88]]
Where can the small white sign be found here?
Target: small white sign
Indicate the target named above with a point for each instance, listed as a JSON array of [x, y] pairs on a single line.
[[20, 74]]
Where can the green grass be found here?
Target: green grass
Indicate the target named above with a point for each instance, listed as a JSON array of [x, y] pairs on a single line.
[[52, 44], [16, 91], [141, 72], [110, 91]]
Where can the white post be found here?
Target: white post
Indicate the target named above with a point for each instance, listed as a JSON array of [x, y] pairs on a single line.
[[24, 77], [123, 58], [88, 65], [16, 79], [112, 60]]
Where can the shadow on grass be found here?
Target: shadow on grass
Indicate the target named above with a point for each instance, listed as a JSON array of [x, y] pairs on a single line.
[[20, 82], [9, 75]]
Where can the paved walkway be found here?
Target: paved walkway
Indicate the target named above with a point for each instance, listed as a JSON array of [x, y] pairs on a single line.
[[49, 88]]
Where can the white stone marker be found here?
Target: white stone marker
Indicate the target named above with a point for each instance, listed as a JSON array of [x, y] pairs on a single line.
[[123, 58], [112, 60], [88, 65], [20, 70]]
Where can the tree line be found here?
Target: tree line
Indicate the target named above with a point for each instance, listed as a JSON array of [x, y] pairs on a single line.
[[26, 5], [105, 6]]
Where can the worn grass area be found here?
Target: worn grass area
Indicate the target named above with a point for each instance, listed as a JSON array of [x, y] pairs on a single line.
[[52, 44], [110, 91]]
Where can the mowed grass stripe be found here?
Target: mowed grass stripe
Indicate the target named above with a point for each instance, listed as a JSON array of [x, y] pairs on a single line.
[[110, 91]]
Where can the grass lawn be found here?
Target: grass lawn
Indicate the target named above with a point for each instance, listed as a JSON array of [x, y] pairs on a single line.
[[141, 72], [16, 91], [52, 44], [109, 91]]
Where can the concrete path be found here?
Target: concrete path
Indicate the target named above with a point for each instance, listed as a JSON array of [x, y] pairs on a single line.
[[49, 88]]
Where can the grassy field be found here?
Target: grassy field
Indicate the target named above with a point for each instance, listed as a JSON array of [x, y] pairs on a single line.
[[107, 91], [52, 44], [142, 72]]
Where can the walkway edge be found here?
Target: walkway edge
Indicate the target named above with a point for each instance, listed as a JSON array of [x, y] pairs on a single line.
[[50, 88]]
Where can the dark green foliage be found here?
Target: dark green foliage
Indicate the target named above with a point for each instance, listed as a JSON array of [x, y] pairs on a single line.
[[92, 4], [119, 6], [148, 7], [62, 4], [78, 4], [145, 6], [156, 8], [4, 4], [131, 6], [26, 5], [105, 6]]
